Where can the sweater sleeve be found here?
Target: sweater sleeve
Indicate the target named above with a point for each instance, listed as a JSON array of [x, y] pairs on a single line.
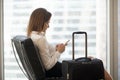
[[48, 54]]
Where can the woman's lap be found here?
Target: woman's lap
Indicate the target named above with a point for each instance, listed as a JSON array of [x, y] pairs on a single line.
[[56, 71]]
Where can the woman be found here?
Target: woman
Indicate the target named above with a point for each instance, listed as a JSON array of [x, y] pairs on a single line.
[[38, 24]]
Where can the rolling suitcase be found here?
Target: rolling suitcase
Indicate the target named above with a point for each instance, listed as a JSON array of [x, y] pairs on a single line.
[[82, 68]]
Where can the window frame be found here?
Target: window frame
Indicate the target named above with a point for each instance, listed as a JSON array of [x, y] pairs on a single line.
[[1, 42], [113, 37]]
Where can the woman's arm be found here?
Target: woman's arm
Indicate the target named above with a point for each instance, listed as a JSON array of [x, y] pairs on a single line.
[[48, 54]]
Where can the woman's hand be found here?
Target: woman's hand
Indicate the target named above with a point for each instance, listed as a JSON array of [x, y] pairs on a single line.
[[60, 47]]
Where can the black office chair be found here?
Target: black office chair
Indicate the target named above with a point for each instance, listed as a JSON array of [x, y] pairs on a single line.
[[29, 57]]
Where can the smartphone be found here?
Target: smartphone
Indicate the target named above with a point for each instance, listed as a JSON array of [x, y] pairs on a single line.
[[67, 42]]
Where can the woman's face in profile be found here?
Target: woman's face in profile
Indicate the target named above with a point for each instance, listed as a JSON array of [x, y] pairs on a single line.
[[46, 25]]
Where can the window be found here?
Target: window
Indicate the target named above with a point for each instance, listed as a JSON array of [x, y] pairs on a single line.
[[68, 16]]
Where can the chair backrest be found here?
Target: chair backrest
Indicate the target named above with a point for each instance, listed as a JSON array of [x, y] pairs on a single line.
[[29, 57]]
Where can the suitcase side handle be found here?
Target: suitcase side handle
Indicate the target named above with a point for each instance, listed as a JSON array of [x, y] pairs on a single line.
[[79, 32]]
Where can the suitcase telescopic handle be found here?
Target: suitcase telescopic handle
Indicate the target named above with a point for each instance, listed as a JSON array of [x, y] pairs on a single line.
[[79, 32]]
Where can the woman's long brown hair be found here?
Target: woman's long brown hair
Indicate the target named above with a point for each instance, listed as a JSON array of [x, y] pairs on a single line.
[[37, 19]]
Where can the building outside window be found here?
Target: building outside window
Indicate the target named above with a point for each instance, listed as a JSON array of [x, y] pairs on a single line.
[[67, 16]]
